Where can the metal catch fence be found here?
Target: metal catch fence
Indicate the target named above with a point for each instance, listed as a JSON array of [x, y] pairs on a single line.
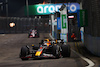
[[23, 25]]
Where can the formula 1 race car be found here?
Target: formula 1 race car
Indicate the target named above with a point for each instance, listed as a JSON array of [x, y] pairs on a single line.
[[46, 49], [33, 33]]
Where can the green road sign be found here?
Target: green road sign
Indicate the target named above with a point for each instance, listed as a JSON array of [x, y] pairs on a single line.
[[64, 21], [83, 18]]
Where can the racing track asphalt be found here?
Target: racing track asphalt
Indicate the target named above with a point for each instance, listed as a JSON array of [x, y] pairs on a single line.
[[10, 45]]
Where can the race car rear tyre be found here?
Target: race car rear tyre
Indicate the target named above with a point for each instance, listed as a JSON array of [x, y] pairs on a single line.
[[24, 52], [37, 35], [56, 51], [65, 50], [28, 35]]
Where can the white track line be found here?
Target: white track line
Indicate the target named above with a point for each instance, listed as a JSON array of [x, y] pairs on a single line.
[[91, 64], [51, 36], [2, 34]]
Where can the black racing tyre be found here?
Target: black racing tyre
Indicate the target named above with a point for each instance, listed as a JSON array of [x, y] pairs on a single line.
[[37, 35], [65, 50], [24, 52], [56, 51], [28, 35]]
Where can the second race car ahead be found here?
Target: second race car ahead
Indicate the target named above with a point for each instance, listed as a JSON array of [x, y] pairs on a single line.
[[46, 49], [33, 33]]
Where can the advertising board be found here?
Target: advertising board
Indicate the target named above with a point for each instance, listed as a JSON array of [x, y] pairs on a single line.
[[43, 9]]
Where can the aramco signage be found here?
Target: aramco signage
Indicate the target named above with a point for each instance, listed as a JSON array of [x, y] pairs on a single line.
[[43, 9]]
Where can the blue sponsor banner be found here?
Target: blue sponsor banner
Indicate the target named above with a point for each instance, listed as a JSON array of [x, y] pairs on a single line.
[[78, 17], [82, 39], [73, 7], [58, 23], [55, 35]]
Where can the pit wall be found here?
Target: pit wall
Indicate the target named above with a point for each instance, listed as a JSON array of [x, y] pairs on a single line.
[[92, 44]]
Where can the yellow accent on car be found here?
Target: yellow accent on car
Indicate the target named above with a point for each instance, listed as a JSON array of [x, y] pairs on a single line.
[[55, 44], [48, 44], [32, 44], [56, 41], [38, 53], [47, 40]]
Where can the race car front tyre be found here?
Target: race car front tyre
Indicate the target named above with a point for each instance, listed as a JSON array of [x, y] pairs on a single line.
[[24, 52], [56, 51], [65, 50]]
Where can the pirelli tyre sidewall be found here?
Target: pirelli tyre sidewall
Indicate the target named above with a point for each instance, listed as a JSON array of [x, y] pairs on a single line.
[[24, 52], [56, 51], [65, 50]]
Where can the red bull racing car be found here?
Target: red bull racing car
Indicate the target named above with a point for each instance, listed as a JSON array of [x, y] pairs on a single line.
[[46, 49]]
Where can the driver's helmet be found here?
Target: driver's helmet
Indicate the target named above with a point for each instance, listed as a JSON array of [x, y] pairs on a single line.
[[47, 42]]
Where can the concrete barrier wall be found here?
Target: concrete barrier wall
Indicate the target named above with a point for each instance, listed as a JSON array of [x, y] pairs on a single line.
[[92, 31], [92, 44]]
